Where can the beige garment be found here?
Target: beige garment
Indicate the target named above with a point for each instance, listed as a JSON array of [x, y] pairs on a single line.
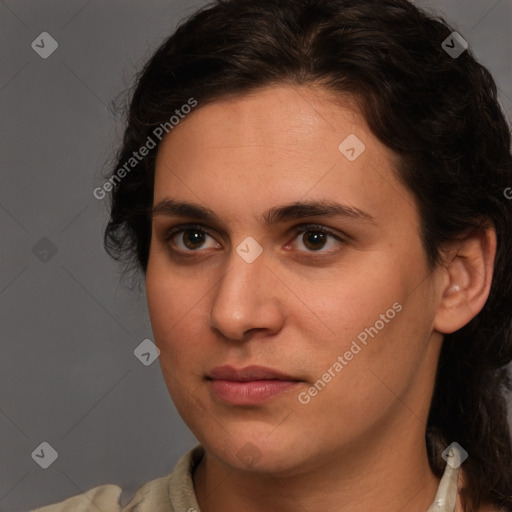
[[171, 493], [175, 493]]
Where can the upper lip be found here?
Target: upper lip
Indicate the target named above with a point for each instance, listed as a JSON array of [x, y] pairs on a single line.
[[249, 373]]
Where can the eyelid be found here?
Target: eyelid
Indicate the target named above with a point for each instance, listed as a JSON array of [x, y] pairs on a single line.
[[170, 233], [321, 253], [184, 227], [301, 228]]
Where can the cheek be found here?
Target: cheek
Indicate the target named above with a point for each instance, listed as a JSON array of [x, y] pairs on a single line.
[[379, 317], [353, 297], [176, 321], [178, 315], [176, 306]]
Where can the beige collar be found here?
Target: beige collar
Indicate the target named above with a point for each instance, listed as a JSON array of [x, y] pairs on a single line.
[[446, 496]]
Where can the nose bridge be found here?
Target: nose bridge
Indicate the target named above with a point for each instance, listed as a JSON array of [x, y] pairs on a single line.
[[244, 298]]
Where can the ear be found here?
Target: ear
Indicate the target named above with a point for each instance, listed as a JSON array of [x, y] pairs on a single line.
[[468, 270]]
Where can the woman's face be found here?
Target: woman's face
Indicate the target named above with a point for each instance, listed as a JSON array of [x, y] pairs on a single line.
[[345, 308]]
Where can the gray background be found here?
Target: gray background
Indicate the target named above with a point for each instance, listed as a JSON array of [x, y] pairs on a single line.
[[68, 375]]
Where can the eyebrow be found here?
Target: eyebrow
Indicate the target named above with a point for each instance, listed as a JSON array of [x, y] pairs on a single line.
[[278, 214]]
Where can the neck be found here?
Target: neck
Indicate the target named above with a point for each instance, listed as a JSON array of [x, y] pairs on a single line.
[[394, 476]]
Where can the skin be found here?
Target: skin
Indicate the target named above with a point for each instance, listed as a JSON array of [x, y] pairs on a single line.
[[360, 440]]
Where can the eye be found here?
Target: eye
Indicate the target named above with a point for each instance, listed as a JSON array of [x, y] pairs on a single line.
[[191, 237], [315, 237]]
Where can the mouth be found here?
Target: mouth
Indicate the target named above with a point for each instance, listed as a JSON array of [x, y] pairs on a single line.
[[248, 374], [251, 385]]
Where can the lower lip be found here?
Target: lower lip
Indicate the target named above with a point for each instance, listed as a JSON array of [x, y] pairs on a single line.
[[251, 392]]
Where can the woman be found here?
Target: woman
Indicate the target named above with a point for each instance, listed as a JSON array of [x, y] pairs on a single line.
[[315, 194]]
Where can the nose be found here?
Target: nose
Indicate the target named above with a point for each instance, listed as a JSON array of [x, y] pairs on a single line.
[[247, 299]]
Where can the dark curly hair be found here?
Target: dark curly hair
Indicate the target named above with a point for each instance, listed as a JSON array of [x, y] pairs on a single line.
[[439, 114]]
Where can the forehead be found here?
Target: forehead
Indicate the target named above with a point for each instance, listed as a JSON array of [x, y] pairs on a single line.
[[278, 144], [277, 117]]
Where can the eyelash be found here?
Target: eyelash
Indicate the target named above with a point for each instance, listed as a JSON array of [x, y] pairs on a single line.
[[300, 229]]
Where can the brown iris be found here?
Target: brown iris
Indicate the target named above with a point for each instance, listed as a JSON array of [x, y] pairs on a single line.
[[314, 240], [193, 239]]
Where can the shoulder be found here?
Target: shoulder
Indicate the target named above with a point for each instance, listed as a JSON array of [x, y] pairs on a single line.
[[172, 492], [105, 497]]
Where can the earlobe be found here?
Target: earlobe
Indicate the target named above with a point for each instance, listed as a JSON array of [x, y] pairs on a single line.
[[469, 265]]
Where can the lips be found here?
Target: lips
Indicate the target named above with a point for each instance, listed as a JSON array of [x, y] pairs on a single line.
[[249, 386], [247, 374]]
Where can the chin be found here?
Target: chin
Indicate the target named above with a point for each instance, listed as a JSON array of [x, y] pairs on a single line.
[[263, 451]]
